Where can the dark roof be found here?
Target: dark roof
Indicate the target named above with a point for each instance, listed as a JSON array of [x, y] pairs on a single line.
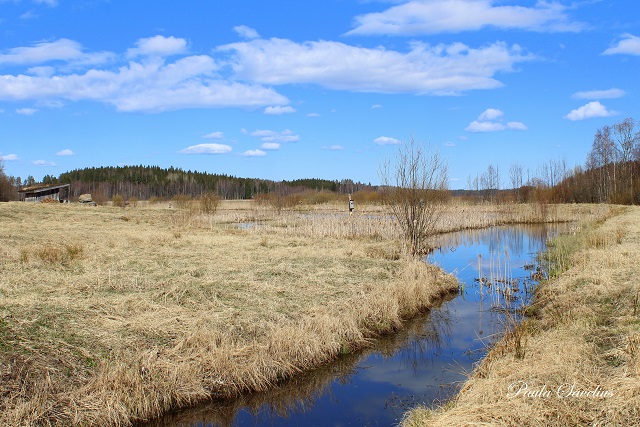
[[41, 187]]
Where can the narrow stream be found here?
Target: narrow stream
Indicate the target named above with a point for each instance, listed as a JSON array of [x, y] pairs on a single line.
[[424, 364]]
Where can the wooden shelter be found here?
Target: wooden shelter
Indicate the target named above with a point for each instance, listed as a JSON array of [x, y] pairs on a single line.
[[39, 192]]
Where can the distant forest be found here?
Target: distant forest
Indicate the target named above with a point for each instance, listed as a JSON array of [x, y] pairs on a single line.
[[611, 174], [144, 182]]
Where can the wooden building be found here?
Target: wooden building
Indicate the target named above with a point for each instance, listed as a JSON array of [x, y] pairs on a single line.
[[38, 193]]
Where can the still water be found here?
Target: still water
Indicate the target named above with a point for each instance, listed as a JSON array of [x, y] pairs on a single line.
[[424, 364]]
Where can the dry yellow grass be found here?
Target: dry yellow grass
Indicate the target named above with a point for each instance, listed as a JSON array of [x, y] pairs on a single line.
[[585, 334], [109, 315]]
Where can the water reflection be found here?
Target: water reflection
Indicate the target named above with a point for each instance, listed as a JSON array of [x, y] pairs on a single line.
[[425, 363]]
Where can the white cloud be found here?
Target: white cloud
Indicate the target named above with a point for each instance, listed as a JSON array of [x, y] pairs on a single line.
[[65, 152], [9, 157], [270, 146], [59, 50], [424, 69], [376, 106], [158, 46], [150, 86], [333, 147], [629, 45], [489, 121], [51, 3], [490, 114], [517, 126], [449, 144], [386, 140], [214, 135], [599, 94], [446, 16], [476, 126], [279, 110], [313, 115], [588, 111], [246, 32], [26, 111], [275, 136], [207, 149], [254, 153], [43, 163]]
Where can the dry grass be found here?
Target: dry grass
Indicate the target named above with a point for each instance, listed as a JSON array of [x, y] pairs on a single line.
[[109, 315], [584, 332]]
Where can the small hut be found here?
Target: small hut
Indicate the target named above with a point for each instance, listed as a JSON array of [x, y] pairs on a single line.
[[40, 192]]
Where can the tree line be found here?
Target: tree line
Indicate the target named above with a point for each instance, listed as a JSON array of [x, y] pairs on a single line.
[[609, 175], [145, 182]]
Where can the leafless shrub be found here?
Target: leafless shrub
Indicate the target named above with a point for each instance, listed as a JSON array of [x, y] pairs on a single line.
[[415, 192]]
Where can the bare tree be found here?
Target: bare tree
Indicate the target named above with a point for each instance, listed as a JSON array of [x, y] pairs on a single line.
[[627, 139], [515, 175], [416, 186], [6, 188]]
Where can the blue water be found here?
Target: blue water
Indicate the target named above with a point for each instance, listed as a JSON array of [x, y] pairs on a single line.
[[424, 364]]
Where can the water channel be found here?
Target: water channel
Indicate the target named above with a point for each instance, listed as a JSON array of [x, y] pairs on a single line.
[[423, 364]]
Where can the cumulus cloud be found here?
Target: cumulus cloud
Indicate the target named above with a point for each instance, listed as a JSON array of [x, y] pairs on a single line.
[[254, 153], [9, 157], [449, 16], [207, 149], [628, 45], [423, 69], [386, 140], [476, 126], [214, 135], [516, 126], [270, 146], [266, 135], [43, 163], [246, 32], [589, 111], [490, 121], [150, 86], [279, 110], [26, 111], [59, 50], [599, 94], [158, 46], [65, 152], [333, 147], [490, 114]]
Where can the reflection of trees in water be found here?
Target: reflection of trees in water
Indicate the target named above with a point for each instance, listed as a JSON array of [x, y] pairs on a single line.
[[420, 337], [519, 239]]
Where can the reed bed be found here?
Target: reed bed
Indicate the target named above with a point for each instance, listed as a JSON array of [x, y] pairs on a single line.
[[575, 360], [374, 222], [110, 315]]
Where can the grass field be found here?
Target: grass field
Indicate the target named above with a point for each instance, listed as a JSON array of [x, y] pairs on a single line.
[[109, 314], [576, 360]]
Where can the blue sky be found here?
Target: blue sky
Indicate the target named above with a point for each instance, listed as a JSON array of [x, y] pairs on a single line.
[[287, 89]]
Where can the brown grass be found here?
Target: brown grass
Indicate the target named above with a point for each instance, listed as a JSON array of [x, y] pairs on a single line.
[[585, 333], [110, 315]]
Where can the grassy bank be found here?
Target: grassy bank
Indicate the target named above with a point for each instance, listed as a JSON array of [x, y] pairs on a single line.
[[109, 315], [576, 360]]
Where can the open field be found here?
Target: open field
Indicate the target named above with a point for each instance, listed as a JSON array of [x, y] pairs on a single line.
[[109, 315], [576, 360]]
